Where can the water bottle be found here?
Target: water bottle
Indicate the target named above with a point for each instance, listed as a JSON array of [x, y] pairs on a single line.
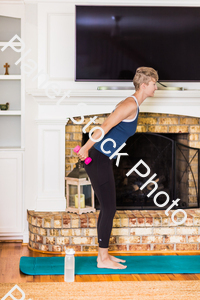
[[69, 265]]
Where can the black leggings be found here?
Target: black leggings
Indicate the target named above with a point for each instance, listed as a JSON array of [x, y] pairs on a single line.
[[100, 172]]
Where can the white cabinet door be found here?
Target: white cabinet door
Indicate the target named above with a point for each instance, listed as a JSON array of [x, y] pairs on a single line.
[[11, 199]]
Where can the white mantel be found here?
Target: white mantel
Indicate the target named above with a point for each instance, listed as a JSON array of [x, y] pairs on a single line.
[[103, 101]]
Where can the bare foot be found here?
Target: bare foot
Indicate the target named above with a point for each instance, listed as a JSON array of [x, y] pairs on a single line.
[[107, 263], [113, 258]]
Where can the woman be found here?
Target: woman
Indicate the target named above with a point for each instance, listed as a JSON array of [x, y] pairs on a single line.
[[119, 126]]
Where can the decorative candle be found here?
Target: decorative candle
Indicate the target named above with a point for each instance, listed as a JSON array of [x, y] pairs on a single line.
[[82, 200]]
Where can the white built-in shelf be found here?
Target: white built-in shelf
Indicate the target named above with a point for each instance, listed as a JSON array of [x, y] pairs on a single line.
[[10, 112], [2, 44], [10, 77], [10, 86]]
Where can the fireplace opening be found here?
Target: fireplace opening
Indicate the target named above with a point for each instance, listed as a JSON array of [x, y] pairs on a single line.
[[176, 164]]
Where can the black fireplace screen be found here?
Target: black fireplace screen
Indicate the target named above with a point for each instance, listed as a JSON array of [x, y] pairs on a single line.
[[187, 170], [176, 167]]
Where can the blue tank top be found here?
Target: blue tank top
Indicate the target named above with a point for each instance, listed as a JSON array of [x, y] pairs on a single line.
[[119, 133]]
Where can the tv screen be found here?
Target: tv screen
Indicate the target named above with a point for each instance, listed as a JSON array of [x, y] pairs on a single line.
[[113, 41]]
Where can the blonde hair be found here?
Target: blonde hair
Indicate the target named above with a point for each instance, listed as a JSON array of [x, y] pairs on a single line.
[[144, 75]]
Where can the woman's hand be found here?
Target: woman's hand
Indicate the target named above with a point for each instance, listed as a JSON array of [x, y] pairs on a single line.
[[83, 153]]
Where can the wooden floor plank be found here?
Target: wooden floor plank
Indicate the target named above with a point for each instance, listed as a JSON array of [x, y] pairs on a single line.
[[125, 277], [80, 278], [198, 276], [94, 277], [133, 278], [115, 277], [164, 277]]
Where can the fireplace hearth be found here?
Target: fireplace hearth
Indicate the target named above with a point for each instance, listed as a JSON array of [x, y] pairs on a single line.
[[176, 164]]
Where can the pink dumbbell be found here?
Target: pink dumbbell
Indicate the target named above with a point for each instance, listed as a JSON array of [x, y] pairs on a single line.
[[87, 160]]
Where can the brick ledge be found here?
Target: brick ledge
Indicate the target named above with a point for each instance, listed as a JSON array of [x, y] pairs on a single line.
[[132, 231]]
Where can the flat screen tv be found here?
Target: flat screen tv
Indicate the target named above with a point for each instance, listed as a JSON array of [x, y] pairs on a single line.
[[113, 41]]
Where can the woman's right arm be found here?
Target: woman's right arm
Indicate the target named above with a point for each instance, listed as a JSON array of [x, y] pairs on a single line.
[[123, 111]]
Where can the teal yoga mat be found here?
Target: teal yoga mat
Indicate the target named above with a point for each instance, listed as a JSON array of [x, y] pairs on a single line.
[[85, 265]]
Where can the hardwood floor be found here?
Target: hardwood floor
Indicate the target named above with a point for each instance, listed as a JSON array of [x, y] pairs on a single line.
[[10, 254]]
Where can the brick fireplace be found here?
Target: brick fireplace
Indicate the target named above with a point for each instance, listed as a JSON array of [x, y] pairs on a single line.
[[133, 230]]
